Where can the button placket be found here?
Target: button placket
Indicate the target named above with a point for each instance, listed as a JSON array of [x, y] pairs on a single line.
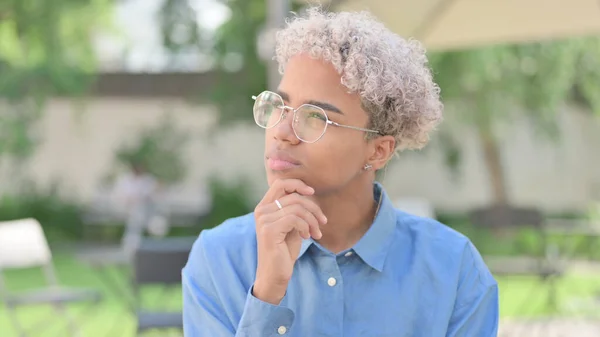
[[332, 299]]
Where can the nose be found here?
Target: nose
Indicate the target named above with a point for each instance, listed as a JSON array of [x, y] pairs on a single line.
[[284, 130]]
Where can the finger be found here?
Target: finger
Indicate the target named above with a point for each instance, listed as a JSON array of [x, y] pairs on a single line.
[[309, 204], [301, 212], [288, 223], [301, 207], [286, 186], [292, 199]]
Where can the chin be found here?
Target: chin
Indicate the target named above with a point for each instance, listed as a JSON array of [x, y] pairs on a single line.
[[273, 175]]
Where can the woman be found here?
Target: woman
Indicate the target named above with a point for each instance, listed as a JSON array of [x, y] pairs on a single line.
[[325, 253]]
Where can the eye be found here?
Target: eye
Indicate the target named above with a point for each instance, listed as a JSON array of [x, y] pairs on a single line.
[[317, 115]]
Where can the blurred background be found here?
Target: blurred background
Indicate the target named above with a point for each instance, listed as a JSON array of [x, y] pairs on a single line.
[[126, 129]]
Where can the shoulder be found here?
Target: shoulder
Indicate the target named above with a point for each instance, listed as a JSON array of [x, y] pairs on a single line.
[[233, 234], [443, 248], [433, 233], [222, 262], [231, 242]]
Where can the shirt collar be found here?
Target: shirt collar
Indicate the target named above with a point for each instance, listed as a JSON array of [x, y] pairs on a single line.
[[305, 245], [374, 245]]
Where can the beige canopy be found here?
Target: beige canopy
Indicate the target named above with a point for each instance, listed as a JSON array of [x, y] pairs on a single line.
[[452, 24]]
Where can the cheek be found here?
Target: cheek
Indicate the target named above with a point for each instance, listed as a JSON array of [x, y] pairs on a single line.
[[340, 161]]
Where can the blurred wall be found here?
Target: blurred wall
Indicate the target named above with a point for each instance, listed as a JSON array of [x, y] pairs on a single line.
[[79, 142]]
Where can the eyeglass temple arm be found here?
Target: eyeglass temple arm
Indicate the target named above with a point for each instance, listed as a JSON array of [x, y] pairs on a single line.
[[353, 127]]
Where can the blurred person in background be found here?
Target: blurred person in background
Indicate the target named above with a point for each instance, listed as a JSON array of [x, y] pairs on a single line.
[[137, 194], [325, 253], [134, 187]]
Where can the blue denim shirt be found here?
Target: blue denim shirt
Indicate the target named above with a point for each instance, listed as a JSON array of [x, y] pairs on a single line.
[[407, 276]]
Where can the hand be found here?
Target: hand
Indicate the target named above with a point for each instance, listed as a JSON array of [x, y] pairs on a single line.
[[279, 234]]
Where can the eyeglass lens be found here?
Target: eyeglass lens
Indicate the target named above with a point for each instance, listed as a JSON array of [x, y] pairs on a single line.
[[309, 122]]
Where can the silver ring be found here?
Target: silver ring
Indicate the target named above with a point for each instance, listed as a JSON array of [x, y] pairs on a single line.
[[278, 204]]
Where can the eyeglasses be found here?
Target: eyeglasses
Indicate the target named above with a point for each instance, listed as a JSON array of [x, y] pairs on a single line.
[[309, 121]]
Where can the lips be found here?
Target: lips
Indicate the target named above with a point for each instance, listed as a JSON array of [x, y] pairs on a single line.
[[280, 161]]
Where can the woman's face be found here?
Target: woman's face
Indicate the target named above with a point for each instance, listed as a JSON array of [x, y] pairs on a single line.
[[339, 156]]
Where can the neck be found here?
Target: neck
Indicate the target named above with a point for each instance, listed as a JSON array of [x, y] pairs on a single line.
[[350, 213]]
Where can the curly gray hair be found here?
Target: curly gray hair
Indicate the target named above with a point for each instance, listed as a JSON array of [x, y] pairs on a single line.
[[389, 73]]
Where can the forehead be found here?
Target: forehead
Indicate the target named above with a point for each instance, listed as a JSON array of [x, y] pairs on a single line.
[[306, 78]]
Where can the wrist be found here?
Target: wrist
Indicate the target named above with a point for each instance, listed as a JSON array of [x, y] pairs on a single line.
[[269, 293]]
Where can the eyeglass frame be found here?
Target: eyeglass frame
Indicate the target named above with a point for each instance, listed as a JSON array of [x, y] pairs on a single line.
[[286, 108]]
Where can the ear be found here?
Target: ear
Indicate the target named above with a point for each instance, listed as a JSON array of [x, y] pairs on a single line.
[[382, 150]]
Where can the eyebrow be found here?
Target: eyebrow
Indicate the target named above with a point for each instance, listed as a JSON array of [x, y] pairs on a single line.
[[322, 105]]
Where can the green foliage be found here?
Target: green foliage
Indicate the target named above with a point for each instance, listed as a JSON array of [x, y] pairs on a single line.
[[537, 77], [587, 85], [179, 26], [520, 241], [236, 38], [45, 49], [229, 199], [40, 33], [17, 138], [58, 215], [158, 149], [593, 213]]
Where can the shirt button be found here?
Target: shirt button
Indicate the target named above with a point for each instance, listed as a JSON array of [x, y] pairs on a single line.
[[348, 254], [331, 281], [281, 330]]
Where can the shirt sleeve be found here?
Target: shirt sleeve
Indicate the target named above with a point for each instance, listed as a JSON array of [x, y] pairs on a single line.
[[476, 311], [204, 311]]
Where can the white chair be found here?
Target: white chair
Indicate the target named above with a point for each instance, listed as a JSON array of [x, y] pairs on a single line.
[[23, 245], [415, 206]]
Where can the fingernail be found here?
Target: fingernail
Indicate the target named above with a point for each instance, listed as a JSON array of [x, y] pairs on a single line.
[[324, 219]]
